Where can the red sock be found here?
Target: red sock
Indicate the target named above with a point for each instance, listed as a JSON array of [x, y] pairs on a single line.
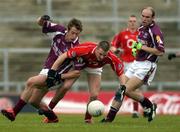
[[135, 106], [19, 105], [52, 105]]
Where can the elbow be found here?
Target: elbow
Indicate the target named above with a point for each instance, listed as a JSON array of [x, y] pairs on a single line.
[[160, 53]]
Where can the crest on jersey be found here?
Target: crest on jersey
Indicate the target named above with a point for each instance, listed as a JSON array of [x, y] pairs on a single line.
[[158, 39], [120, 66]]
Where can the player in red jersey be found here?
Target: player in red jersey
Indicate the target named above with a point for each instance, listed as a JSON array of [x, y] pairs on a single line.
[[121, 44], [94, 56]]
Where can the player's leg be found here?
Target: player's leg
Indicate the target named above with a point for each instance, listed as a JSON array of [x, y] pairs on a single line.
[[135, 104], [60, 93], [145, 102], [116, 103], [135, 113], [24, 97], [35, 101], [94, 84]]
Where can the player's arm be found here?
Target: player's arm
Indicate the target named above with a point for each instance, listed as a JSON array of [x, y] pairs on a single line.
[[159, 50], [152, 50], [118, 67], [113, 49], [59, 61], [115, 45], [53, 75], [71, 74]]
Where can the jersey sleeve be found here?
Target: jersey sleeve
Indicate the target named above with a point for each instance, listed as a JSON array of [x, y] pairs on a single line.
[[76, 52], [116, 42], [116, 64], [159, 40], [50, 27]]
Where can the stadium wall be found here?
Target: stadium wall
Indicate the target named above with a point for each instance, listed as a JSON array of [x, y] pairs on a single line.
[[75, 102]]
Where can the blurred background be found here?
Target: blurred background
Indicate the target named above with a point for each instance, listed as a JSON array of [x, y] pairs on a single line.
[[23, 47]]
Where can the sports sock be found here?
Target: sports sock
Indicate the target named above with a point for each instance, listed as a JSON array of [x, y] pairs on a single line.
[[52, 105], [19, 105], [112, 113], [87, 116], [50, 115], [145, 102], [135, 106]]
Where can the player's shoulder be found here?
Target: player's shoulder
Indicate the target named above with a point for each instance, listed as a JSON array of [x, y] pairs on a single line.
[[155, 29], [124, 30]]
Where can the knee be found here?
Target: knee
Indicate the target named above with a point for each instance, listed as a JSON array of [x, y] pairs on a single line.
[[30, 82], [33, 103], [66, 87], [128, 92]]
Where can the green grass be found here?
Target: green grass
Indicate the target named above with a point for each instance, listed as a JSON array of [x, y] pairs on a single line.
[[74, 123]]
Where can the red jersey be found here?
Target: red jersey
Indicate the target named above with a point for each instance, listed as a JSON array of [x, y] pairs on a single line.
[[87, 52], [124, 40]]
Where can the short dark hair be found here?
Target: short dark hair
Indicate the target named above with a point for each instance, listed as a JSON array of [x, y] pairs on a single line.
[[132, 15], [150, 8], [105, 45], [75, 23]]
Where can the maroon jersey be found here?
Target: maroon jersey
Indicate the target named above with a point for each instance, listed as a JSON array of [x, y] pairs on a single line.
[[86, 52], [151, 37], [59, 44]]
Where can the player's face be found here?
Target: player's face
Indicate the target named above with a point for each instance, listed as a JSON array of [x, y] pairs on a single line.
[[146, 17], [132, 23], [100, 54], [72, 34]]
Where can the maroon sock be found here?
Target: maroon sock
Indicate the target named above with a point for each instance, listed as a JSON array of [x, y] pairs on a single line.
[[87, 116], [50, 114], [146, 103], [47, 112], [19, 105], [135, 106], [112, 113], [52, 105]]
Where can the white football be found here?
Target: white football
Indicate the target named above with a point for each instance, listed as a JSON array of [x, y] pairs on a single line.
[[96, 108]]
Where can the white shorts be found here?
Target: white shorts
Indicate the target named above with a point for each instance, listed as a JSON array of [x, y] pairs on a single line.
[[127, 65], [97, 71], [144, 70], [44, 72]]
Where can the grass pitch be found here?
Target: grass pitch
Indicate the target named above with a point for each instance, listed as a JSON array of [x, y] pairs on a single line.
[[30, 122]]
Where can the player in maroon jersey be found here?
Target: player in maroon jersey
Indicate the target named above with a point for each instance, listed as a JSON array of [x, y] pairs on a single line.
[[63, 39], [147, 50], [121, 44]]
